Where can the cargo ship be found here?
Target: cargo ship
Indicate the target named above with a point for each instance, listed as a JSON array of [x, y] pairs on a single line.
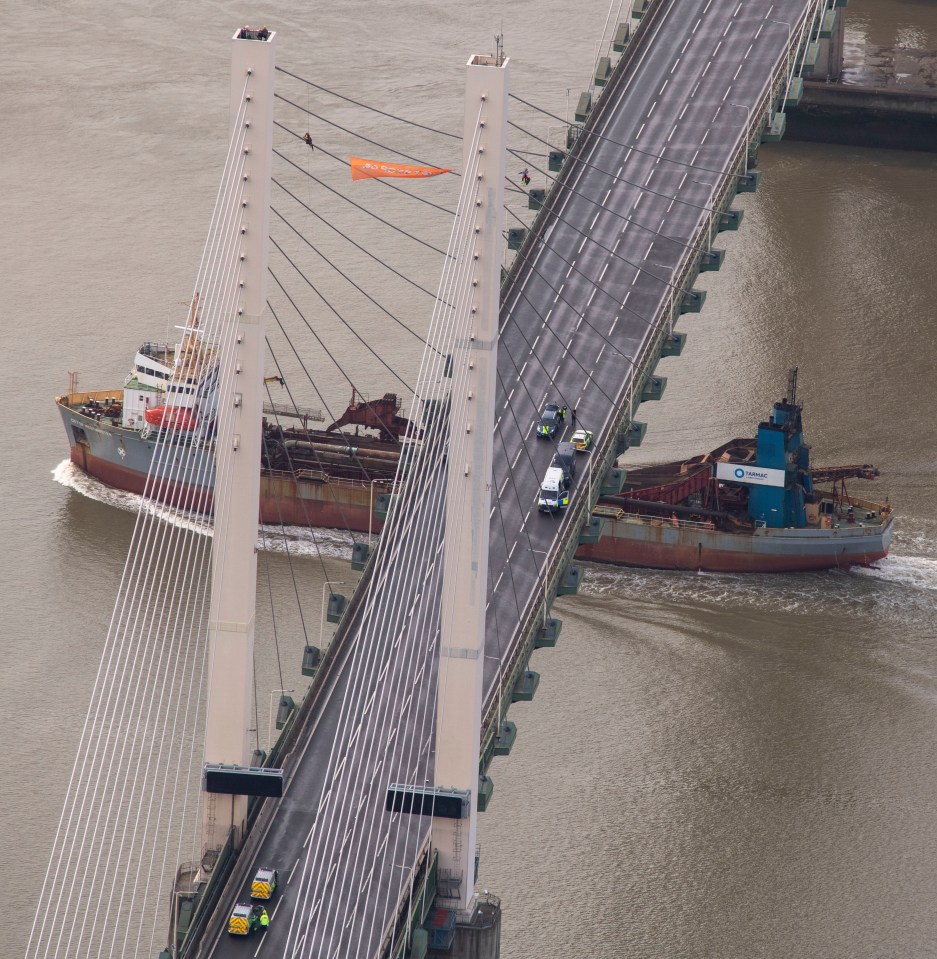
[[750, 506], [337, 476]]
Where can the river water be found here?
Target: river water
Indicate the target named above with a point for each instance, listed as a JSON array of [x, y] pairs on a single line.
[[713, 765]]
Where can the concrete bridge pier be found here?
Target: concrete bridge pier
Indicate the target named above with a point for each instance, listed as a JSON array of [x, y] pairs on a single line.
[[477, 936], [829, 66]]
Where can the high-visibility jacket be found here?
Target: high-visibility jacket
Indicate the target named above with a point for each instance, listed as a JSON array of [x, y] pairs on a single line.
[[264, 919]]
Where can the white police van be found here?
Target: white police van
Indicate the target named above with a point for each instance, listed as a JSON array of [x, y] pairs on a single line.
[[554, 494]]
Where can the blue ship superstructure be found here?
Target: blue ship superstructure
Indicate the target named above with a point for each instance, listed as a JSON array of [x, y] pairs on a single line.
[[781, 448]]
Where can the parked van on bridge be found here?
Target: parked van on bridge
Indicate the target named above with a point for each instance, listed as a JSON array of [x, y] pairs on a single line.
[[565, 459]]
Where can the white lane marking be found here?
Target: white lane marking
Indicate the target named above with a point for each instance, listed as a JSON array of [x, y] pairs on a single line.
[[553, 377], [728, 91], [728, 28], [698, 22], [289, 878], [516, 458], [547, 317], [604, 268], [706, 68], [758, 34], [599, 357], [739, 7], [706, 134], [686, 106], [685, 45], [639, 199], [536, 341], [524, 367], [592, 224], [718, 45], [581, 245], [492, 513], [514, 547], [676, 63], [737, 72], [654, 104], [637, 136], [607, 195], [664, 87], [693, 91], [748, 51], [570, 270], [498, 583], [708, 5], [578, 323], [612, 330], [591, 297], [511, 394], [672, 132]]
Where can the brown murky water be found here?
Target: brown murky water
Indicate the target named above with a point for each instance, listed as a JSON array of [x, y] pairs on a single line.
[[713, 765]]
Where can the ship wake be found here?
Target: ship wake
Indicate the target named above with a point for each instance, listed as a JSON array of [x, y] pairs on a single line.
[[294, 540]]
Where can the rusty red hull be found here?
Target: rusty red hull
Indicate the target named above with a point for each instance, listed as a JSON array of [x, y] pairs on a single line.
[[283, 499], [667, 546]]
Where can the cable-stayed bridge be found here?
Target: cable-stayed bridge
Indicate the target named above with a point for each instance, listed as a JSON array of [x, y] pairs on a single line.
[[586, 311]]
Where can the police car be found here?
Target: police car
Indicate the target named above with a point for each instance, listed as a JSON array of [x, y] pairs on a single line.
[[582, 440], [244, 920], [550, 420], [265, 883]]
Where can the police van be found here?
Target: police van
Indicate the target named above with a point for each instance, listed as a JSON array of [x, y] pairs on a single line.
[[565, 459], [554, 492]]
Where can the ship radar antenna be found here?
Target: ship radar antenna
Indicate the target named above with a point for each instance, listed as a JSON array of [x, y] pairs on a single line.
[[499, 46], [792, 386]]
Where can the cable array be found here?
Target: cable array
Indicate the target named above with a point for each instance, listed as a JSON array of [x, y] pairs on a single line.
[[133, 795], [393, 658]]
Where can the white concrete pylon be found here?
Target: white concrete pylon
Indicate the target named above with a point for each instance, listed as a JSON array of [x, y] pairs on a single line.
[[230, 712], [468, 492]]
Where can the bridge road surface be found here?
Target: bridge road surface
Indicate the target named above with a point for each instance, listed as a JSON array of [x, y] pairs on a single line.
[[581, 311]]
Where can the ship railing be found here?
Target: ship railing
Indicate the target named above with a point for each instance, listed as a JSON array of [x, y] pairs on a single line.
[[156, 351], [856, 502], [86, 396], [323, 476], [303, 413], [675, 521]]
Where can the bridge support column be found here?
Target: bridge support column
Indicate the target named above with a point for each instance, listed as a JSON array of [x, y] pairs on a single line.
[[468, 492], [229, 711]]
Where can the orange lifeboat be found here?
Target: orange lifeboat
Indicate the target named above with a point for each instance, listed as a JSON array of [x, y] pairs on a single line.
[[174, 419]]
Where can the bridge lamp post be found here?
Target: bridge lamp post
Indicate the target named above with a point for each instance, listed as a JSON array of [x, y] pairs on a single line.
[[273, 692], [672, 270], [325, 585], [748, 127], [371, 511], [546, 606], [790, 38], [497, 659], [790, 32]]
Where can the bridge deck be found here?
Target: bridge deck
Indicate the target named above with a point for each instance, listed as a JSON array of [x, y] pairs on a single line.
[[580, 317]]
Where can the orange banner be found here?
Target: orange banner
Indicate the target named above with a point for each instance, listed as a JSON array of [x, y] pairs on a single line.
[[365, 169]]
